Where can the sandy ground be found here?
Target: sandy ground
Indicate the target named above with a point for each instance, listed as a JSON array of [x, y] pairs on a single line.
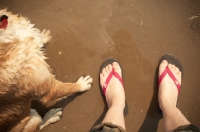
[[137, 33]]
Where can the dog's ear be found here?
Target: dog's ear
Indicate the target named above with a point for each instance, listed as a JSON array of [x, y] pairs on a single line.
[[3, 17]]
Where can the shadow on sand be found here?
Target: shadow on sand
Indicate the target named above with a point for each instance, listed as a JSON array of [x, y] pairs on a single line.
[[42, 109], [154, 113]]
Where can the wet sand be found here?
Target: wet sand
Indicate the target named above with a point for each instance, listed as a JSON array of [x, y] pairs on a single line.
[[136, 32]]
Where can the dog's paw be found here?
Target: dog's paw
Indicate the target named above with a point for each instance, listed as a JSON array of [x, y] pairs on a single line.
[[51, 116], [85, 83], [46, 37]]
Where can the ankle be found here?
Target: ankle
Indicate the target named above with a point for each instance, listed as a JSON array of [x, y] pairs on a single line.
[[118, 102], [166, 105]]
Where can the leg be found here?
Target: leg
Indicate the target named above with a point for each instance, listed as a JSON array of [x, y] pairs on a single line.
[[167, 97], [34, 123], [58, 89], [115, 96], [51, 116]]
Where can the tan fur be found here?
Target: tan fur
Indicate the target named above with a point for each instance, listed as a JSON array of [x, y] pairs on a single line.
[[24, 75]]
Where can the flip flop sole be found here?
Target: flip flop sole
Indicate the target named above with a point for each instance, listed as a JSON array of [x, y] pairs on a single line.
[[110, 61]]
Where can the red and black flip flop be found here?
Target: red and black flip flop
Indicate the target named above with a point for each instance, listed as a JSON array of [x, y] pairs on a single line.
[[172, 60], [112, 73]]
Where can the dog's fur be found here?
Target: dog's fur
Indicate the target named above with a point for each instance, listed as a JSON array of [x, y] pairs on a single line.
[[25, 76]]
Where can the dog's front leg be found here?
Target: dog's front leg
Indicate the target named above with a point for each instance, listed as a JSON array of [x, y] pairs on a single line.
[[60, 89]]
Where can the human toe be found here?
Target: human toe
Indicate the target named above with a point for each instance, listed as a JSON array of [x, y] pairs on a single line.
[[116, 67], [162, 66], [109, 68], [104, 71], [115, 64], [173, 68]]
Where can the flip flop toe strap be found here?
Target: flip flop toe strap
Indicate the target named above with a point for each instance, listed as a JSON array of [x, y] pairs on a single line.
[[168, 71], [118, 77], [107, 81], [109, 78]]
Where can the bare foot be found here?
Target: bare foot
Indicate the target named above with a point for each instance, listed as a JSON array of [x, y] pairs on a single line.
[[115, 95], [168, 92]]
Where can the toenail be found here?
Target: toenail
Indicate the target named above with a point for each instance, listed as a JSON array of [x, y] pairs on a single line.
[[164, 62]]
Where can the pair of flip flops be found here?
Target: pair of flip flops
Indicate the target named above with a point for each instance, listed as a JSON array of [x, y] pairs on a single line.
[[168, 57]]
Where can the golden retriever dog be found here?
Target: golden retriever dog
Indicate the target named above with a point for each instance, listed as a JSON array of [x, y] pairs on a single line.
[[25, 76]]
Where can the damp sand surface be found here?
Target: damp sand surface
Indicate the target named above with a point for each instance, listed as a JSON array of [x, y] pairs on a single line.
[[136, 32]]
